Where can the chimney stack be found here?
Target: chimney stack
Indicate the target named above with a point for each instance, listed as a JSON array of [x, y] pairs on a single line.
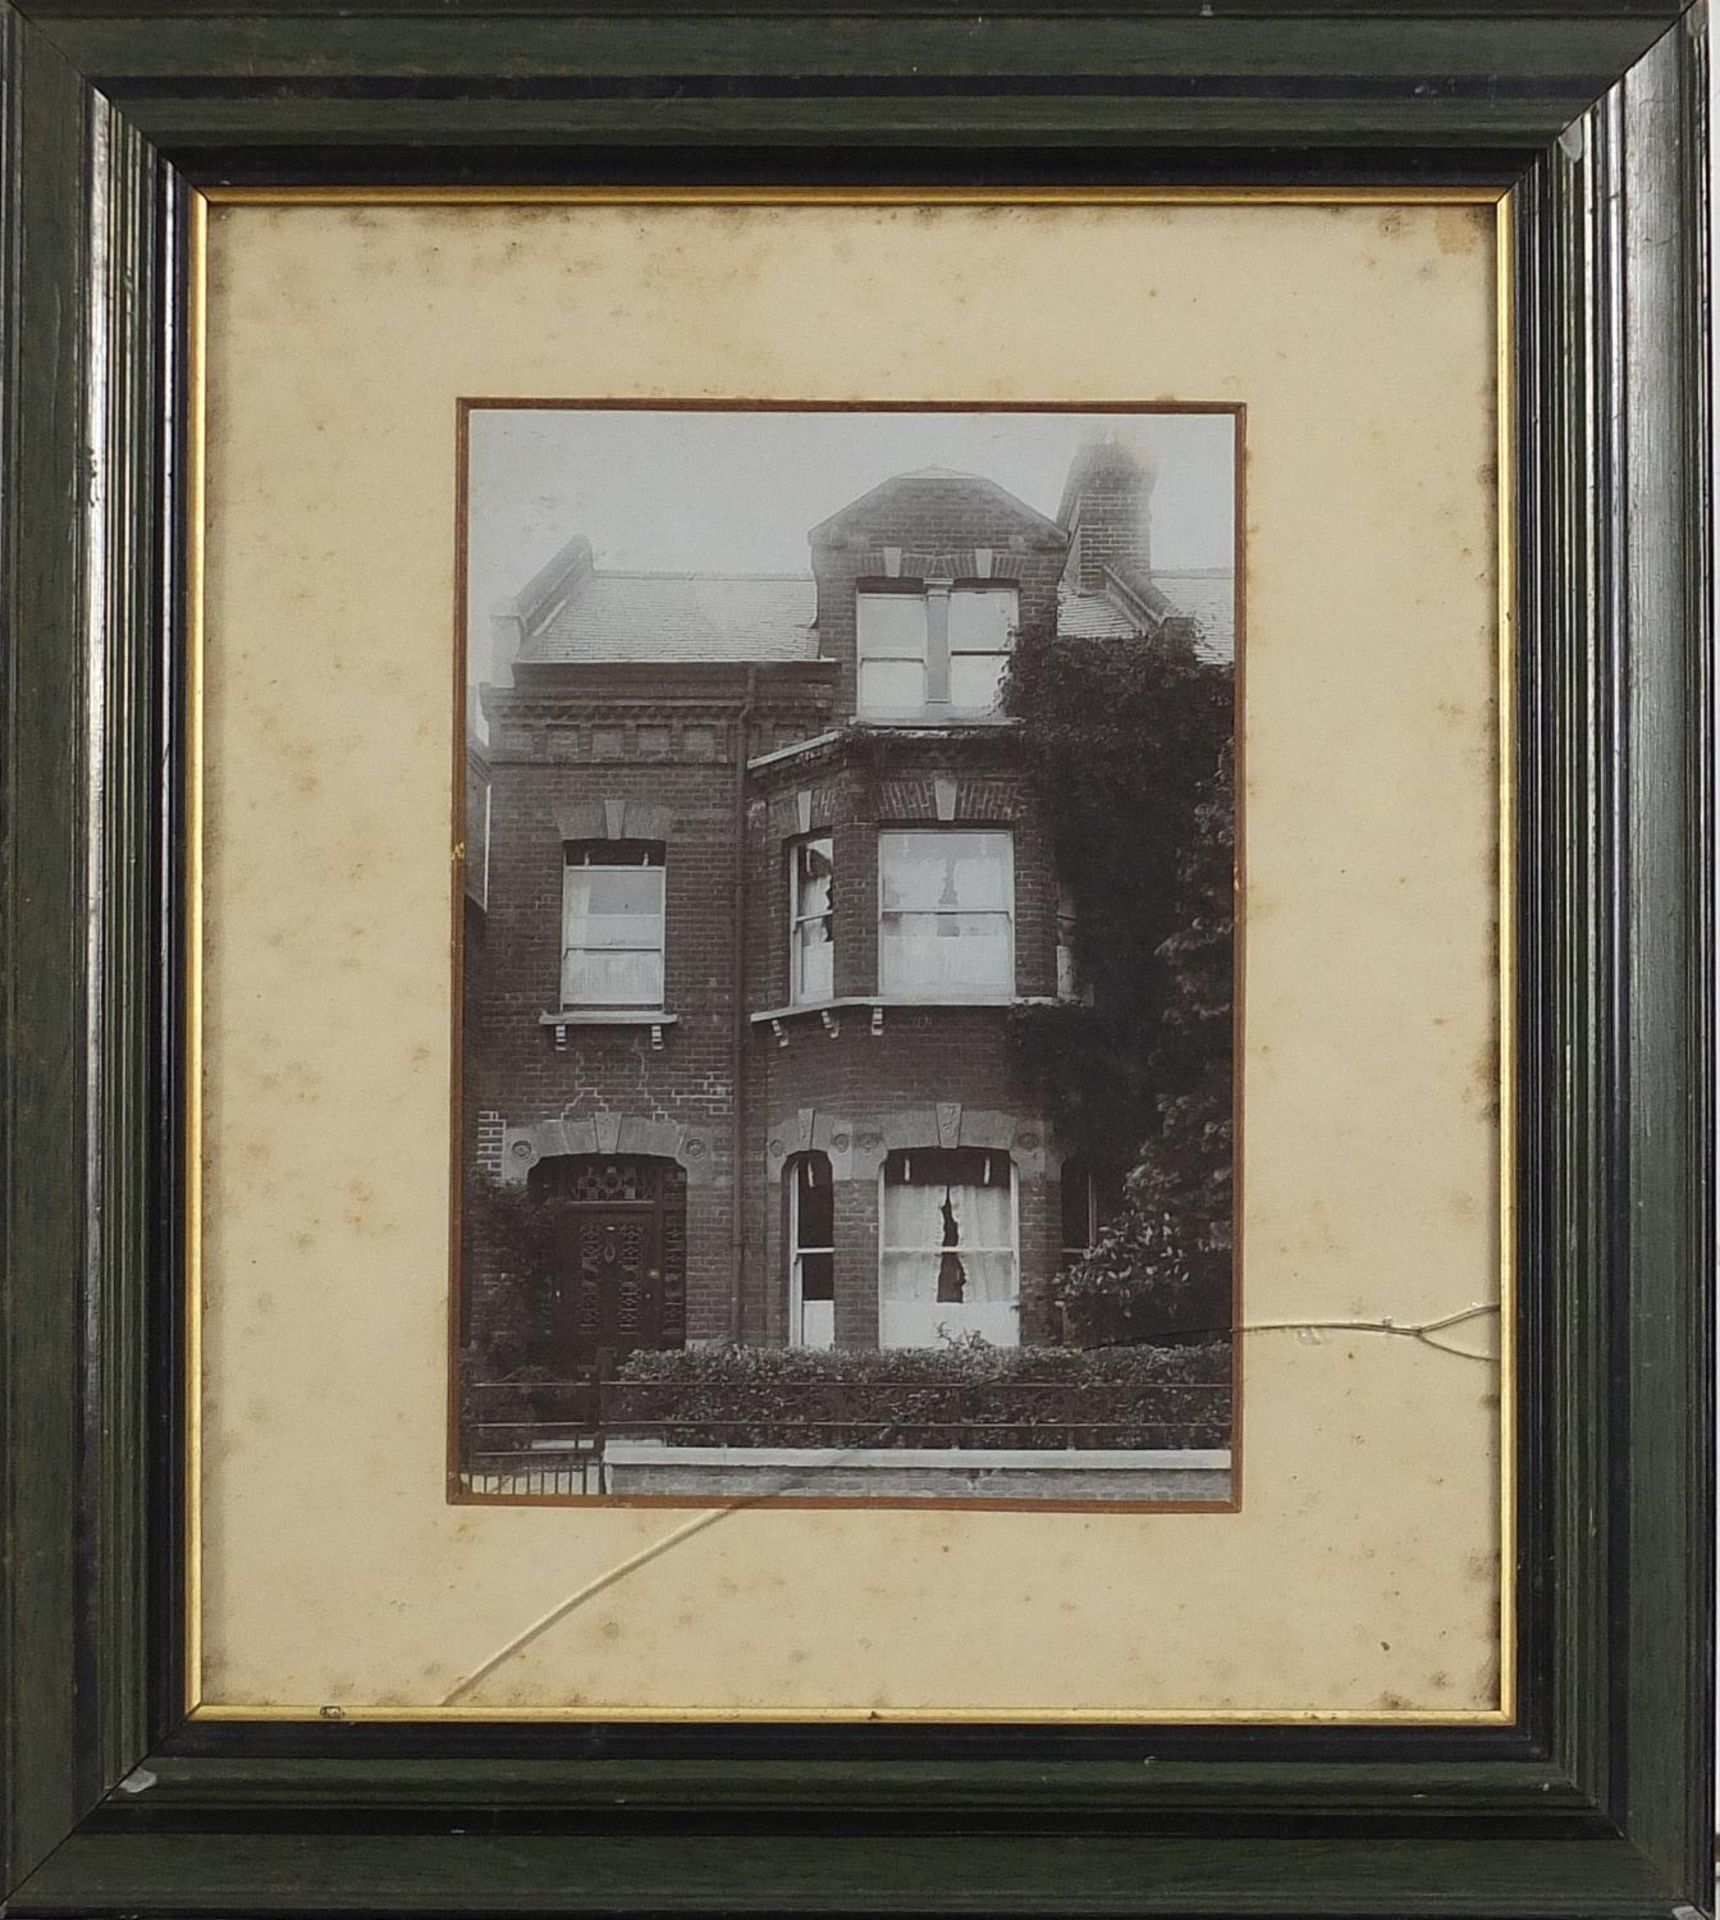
[[1105, 507]]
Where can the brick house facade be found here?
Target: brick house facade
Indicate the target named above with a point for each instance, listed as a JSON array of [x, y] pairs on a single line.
[[754, 880]]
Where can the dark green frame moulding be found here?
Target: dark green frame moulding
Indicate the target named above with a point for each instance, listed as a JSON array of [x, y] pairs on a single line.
[[1599, 1801]]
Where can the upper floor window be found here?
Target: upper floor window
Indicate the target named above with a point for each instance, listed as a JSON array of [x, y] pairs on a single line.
[[946, 913], [612, 924], [982, 633], [1070, 984], [1065, 944], [811, 919], [933, 649], [892, 631]]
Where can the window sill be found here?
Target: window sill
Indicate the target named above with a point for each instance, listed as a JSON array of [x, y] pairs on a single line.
[[829, 1012], [607, 1017], [935, 720]]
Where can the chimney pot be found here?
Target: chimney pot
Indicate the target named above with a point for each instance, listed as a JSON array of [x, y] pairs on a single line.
[[1110, 486]]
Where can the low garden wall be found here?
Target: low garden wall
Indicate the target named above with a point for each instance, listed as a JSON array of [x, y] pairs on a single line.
[[1138, 1475]]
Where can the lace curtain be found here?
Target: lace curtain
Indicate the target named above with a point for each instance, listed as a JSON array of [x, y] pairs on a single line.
[[947, 1243]]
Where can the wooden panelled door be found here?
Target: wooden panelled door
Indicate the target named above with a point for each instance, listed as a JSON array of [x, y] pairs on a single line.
[[614, 1293]]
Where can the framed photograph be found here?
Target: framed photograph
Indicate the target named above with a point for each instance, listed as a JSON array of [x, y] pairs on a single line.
[[849, 793], [859, 939]]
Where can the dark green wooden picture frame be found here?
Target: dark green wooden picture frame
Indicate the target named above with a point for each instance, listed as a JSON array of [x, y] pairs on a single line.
[[1599, 1800]]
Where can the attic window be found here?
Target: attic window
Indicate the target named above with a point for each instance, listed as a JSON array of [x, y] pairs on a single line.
[[931, 650], [982, 632], [892, 644]]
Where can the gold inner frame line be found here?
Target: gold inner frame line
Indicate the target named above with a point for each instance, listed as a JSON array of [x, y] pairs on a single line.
[[1499, 197], [1162, 196]]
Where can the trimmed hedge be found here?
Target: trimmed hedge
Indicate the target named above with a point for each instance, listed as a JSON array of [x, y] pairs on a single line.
[[966, 1394]]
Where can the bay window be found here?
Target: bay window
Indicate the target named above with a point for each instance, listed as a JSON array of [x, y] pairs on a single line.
[[812, 1251], [612, 925], [947, 1262], [946, 914], [811, 919]]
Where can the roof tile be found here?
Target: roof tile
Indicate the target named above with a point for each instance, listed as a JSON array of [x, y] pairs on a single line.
[[1208, 598], [680, 617]]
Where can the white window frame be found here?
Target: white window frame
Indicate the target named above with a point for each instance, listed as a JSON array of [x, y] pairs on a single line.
[[489, 803], [1013, 1249], [936, 654], [922, 659], [797, 994], [956, 996], [974, 590], [658, 865], [797, 1301]]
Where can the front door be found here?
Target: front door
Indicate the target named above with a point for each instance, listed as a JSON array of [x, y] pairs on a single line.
[[619, 1251], [613, 1263]]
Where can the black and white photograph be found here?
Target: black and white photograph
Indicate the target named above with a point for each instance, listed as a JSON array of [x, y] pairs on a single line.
[[847, 950]]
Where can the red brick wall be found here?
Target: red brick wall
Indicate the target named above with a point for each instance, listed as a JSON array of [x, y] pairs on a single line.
[[522, 1075], [648, 738], [859, 1083], [550, 761]]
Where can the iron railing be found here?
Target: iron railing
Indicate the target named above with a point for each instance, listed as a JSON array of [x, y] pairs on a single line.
[[533, 1437]]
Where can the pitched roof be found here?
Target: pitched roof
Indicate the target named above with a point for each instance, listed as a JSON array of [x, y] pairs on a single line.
[[1207, 597], [679, 616], [943, 477], [1095, 616]]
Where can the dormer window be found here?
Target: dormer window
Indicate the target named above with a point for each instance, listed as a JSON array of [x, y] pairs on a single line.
[[982, 633], [892, 630], [931, 650]]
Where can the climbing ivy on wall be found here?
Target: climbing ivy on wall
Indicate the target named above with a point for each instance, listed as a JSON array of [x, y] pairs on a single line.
[[1129, 746]]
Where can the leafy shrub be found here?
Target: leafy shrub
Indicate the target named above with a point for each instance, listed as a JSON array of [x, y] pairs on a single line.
[[965, 1394], [508, 1308], [510, 1254]]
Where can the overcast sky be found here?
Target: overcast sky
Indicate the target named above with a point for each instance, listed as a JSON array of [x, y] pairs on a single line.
[[721, 492]]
